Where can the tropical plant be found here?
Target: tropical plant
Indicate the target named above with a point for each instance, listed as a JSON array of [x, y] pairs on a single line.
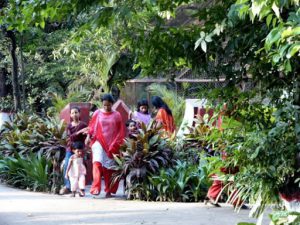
[[30, 172], [203, 137], [266, 156], [6, 104], [142, 158], [183, 182], [281, 218], [285, 218], [30, 134]]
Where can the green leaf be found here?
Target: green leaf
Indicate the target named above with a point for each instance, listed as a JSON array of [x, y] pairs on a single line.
[[42, 24], [272, 37], [208, 38], [256, 8], [296, 31], [197, 43], [276, 9], [203, 46], [274, 22], [287, 66], [293, 50], [290, 32], [269, 19]]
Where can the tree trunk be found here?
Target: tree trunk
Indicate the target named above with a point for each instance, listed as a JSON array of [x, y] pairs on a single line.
[[22, 73], [15, 81], [3, 79]]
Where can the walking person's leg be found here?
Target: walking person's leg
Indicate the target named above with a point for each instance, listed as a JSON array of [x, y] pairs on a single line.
[[67, 186], [110, 188], [81, 184], [74, 185], [97, 174], [213, 192]]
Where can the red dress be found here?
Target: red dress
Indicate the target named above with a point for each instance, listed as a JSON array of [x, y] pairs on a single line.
[[167, 121]]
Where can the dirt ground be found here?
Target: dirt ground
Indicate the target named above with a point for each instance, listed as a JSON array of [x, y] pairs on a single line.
[[19, 207]]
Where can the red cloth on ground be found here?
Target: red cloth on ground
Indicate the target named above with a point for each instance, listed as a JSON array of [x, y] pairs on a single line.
[[108, 129], [98, 172], [167, 120], [215, 189]]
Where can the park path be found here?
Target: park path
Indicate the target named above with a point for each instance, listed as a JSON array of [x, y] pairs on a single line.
[[19, 207]]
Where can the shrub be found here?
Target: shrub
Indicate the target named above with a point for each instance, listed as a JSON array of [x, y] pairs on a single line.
[[183, 182], [30, 172], [142, 158], [30, 134]]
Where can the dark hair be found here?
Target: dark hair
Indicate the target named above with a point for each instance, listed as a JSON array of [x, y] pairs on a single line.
[[130, 121], [108, 97], [75, 107], [158, 103], [77, 145], [142, 102]]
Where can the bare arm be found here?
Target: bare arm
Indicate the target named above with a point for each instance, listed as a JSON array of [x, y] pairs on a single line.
[[69, 166]]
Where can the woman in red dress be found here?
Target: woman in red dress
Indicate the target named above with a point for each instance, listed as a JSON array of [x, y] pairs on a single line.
[[106, 135], [164, 116]]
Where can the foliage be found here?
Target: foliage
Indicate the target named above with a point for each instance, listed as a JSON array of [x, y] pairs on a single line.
[[29, 172], [59, 102], [182, 182], [283, 18], [204, 136], [95, 66], [175, 102], [281, 218], [264, 49], [265, 156], [285, 218], [30, 134], [6, 104], [26, 134], [142, 158]]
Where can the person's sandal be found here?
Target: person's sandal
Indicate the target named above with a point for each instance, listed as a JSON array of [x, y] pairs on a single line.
[[81, 193], [244, 207], [73, 194], [108, 195], [64, 191], [211, 201]]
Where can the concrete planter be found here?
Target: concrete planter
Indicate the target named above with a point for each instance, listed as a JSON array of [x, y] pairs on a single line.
[[4, 117], [291, 200], [292, 206]]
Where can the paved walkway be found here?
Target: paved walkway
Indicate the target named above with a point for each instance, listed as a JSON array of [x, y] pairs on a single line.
[[19, 207]]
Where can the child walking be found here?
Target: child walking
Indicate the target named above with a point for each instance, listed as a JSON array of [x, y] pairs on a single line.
[[76, 170], [142, 114]]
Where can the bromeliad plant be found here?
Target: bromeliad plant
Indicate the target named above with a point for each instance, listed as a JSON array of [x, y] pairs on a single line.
[[203, 137], [29, 133], [142, 158]]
